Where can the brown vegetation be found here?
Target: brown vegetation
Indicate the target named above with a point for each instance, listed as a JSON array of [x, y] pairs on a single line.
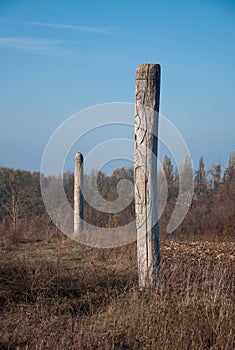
[[211, 215], [57, 294], [66, 296]]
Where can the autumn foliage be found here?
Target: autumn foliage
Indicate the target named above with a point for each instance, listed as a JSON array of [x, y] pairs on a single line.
[[211, 214]]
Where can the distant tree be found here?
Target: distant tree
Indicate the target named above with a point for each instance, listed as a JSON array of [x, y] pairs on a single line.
[[216, 174], [230, 171], [168, 170], [200, 178], [68, 181], [20, 196], [186, 174], [10, 193]]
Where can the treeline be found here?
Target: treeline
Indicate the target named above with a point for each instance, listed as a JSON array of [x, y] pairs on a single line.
[[211, 213]]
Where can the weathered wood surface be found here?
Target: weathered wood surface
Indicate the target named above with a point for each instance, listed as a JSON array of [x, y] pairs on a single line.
[[146, 131], [78, 197]]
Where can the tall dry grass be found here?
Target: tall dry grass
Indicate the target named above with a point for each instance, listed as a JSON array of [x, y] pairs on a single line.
[[65, 296]]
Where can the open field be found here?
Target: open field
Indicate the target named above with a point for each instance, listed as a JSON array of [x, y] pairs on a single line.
[[66, 296]]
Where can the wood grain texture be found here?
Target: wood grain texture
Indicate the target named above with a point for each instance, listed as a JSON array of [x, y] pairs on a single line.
[[146, 132]]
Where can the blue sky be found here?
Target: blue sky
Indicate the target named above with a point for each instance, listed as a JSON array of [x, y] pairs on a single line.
[[59, 57]]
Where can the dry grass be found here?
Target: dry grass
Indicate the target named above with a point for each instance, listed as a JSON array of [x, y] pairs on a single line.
[[65, 296]]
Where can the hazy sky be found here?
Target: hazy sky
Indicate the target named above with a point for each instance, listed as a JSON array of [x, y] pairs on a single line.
[[58, 57]]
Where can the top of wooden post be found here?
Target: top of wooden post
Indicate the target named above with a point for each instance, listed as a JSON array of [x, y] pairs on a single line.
[[79, 157], [149, 71], [148, 78]]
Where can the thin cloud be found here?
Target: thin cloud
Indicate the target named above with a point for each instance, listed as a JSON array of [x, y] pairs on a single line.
[[32, 44], [71, 27]]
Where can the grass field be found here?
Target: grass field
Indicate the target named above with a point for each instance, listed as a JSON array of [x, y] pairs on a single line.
[[67, 296]]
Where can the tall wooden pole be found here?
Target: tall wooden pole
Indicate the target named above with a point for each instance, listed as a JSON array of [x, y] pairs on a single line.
[[146, 137], [78, 198]]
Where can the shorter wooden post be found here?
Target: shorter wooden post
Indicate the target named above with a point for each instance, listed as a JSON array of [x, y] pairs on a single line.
[[78, 197]]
